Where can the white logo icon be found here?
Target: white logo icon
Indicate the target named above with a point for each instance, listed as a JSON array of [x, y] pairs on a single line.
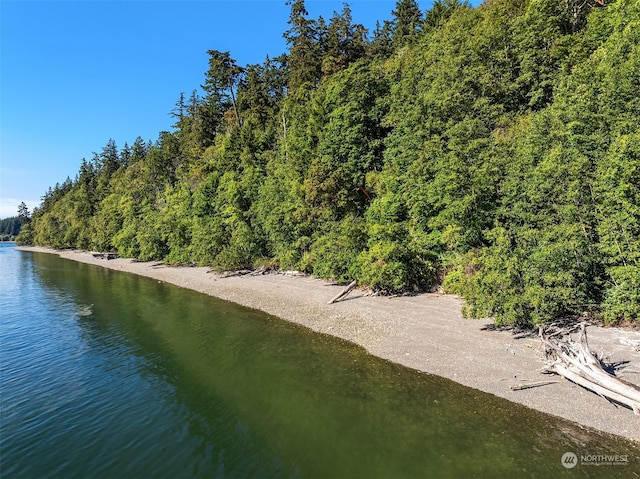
[[569, 460]]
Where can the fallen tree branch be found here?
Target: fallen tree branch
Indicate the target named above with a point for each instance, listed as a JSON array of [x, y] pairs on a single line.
[[520, 387], [575, 362], [344, 292], [258, 272]]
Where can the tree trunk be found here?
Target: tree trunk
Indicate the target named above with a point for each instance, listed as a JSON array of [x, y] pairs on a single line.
[[575, 362]]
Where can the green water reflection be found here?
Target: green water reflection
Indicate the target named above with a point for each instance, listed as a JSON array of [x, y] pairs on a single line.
[[255, 396]]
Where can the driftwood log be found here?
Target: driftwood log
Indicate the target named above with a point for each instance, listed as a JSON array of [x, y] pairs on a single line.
[[106, 255], [344, 292], [575, 362]]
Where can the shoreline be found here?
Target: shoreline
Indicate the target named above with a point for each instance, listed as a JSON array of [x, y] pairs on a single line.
[[425, 332]]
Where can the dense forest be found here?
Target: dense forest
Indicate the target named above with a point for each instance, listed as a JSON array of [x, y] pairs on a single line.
[[10, 227], [491, 151]]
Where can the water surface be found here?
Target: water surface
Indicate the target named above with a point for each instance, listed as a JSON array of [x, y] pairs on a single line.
[[106, 374]]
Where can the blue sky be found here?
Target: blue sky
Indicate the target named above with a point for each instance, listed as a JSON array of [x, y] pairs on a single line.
[[74, 74]]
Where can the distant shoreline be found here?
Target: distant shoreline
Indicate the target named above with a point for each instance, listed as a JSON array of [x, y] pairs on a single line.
[[424, 332]]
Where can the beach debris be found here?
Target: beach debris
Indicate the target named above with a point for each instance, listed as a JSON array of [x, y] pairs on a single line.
[[257, 272], [246, 272], [106, 256], [344, 292], [230, 274], [520, 387], [293, 273], [575, 361]]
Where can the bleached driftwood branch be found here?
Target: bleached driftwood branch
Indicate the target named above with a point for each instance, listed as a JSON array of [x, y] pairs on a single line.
[[343, 293], [575, 362]]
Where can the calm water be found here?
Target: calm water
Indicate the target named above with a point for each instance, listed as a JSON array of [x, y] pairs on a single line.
[[105, 374]]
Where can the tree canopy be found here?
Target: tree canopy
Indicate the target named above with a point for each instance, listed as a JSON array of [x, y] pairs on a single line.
[[493, 152]]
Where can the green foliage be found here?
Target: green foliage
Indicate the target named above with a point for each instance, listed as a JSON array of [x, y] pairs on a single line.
[[176, 224], [618, 190], [543, 48], [622, 297], [26, 235], [279, 211], [493, 150], [386, 266], [107, 223], [10, 227], [350, 141], [335, 249]]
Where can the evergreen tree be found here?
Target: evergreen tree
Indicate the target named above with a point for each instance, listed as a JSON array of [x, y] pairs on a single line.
[[407, 22], [221, 81], [382, 44], [138, 150], [305, 48], [440, 12], [23, 213], [345, 42]]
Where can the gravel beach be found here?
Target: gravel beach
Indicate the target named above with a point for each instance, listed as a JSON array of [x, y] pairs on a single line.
[[425, 332]]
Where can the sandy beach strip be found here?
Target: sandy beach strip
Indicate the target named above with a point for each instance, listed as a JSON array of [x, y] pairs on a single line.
[[425, 332]]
